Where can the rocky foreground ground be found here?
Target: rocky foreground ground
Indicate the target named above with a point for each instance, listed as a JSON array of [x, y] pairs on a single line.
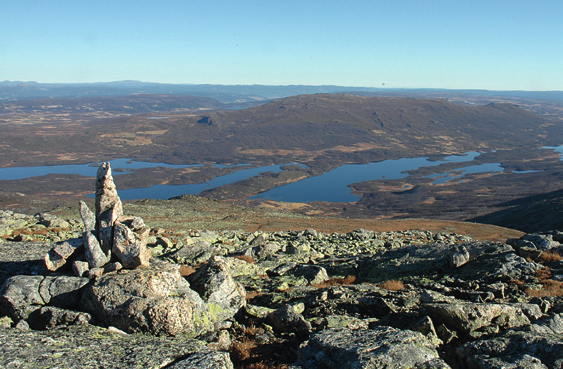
[[273, 299]]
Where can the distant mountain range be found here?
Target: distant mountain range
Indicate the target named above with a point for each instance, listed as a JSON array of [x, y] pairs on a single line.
[[230, 94]]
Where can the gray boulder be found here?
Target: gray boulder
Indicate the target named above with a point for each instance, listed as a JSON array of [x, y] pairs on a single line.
[[62, 291], [156, 300], [549, 325], [514, 350], [543, 242], [287, 319], [458, 256], [64, 253], [49, 220], [93, 251], [477, 319], [381, 347], [130, 242], [216, 286], [21, 295]]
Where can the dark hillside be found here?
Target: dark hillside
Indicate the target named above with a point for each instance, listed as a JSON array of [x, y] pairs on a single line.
[[539, 213], [316, 129]]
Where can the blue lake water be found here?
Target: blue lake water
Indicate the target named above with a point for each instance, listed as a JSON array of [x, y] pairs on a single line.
[[168, 191], [333, 186], [119, 166], [481, 168]]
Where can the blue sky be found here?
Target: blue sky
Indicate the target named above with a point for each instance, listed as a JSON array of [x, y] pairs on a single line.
[[475, 44]]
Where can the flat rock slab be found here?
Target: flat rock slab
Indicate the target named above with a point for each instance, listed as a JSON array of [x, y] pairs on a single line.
[[382, 347], [22, 258], [91, 347], [542, 350]]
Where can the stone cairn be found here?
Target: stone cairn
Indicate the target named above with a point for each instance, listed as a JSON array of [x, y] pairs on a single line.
[[110, 242]]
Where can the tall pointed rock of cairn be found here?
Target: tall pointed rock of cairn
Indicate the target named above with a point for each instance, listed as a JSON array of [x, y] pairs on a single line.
[[108, 206]]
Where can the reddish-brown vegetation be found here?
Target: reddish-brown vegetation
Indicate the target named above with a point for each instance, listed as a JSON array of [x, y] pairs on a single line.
[[392, 285], [336, 282], [246, 258]]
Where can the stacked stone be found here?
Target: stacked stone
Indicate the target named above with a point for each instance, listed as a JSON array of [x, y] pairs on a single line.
[[110, 241]]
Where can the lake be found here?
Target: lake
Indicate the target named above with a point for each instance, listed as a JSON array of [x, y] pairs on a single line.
[[332, 186]]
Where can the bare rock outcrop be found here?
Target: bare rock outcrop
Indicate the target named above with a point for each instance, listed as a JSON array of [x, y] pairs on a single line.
[[381, 347]]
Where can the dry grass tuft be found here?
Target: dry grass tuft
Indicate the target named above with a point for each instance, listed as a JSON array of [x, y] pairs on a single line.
[[186, 270], [242, 350], [246, 258], [392, 285], [262, 365], [336, 282], [515, 282], [247, 353], [252, 294], [547, 256], [543, 273], [550, 288]]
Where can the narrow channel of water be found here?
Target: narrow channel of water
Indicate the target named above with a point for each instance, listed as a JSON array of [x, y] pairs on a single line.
[[119, 166], [168, 191]]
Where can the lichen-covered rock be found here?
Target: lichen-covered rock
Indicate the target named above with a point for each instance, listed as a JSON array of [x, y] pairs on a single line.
[[156, 300], [514, 361], [381, 347], [287, 319], [486, 260], [216, 286], [206, 360], [193, 252], [91, 347], [10, 221], [49, 220], [543, 350], [339, 321], [314, 274], [477, 319]]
